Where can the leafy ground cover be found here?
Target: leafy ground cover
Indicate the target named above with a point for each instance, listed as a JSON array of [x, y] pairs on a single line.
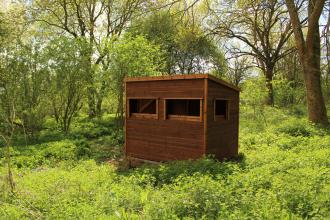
[[283, 172]]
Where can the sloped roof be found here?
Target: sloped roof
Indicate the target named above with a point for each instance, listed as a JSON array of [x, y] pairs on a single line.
[[183, 76]]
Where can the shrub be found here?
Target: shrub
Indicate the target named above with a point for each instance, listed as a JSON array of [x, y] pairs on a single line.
[[296, 128], [83, 149], [60, 150], [284, 174], [167, 173], [117, 137], [48, 153], [89, 129]]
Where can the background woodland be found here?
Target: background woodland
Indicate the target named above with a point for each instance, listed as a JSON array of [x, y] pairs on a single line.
[[62, 68]]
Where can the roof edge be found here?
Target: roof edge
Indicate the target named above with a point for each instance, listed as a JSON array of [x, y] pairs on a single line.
[[183, 76], [223, 82]]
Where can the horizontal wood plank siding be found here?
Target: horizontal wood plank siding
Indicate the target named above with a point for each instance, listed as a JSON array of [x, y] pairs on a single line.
[[177, 77], [167, 139], [190, 88], [222, 135], [164, 139]]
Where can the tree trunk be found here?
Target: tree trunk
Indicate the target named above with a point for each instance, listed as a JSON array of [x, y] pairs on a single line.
[[91, 102], [99, 102], [315, 102], [327, 82], [120, 110], [309, 54], [120, 107], [269, 84], [312, 72], [316, 106], [91, 93]]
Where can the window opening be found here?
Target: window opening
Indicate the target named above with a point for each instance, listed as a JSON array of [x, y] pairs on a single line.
[[221, 109], [183, 109], [142, 107]]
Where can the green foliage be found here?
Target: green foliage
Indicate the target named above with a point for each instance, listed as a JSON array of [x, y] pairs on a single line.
[[3, 29], [186, 47], [89, 129], [117, 138], [253, 96], [298, 128], [254, 91], [284, 174], [167, 174], [49, 153], [134, 56], [67, 78], [287, 92], [22, 87], [65, 164]]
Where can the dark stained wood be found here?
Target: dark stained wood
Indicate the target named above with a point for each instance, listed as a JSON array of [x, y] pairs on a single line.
[[222, 134], [185, 77], [205, 115], [164, 139], [175, 137], [126, 106], [190, 88]]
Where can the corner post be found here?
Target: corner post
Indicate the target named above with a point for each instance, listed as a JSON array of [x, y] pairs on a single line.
[[125, 122], [205, 114]]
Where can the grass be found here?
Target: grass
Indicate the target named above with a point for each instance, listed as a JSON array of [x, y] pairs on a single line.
[[284, 173]]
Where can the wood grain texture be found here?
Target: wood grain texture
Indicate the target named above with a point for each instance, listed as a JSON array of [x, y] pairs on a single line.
[[222, 135], [205, 115], [190, 88], [182, 77], [164, 139]]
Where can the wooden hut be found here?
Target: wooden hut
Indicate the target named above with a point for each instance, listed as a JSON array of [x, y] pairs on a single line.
[[180, 117]]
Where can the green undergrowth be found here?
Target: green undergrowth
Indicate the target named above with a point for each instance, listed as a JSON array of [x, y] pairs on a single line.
[[282, 172], [96, 139]]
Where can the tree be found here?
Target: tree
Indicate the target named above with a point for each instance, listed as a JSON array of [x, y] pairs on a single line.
[[261, 27], [132, 56], [22, 76], [237, 72], [8, 94], [326, 48], [95, 22], [3, 31], [187, 48], [309, 53], [25, 62], [67, 79], [255, 92], [290, 74], [7, 130], [196, 52]]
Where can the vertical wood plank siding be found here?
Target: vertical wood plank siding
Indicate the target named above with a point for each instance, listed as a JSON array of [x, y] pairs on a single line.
[[205, 115]]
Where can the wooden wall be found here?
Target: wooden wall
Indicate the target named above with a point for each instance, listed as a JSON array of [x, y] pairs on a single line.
[[222, 136], [187, 88], [163, 139], [160, 139]]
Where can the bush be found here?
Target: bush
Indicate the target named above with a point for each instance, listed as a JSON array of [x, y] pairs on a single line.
[[89, 130], [167, 174], [284, 174], [117, 138], [294, 127], [83, 149], [50, 153]]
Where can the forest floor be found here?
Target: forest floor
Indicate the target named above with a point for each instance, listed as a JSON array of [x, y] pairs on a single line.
[[283, 173]]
